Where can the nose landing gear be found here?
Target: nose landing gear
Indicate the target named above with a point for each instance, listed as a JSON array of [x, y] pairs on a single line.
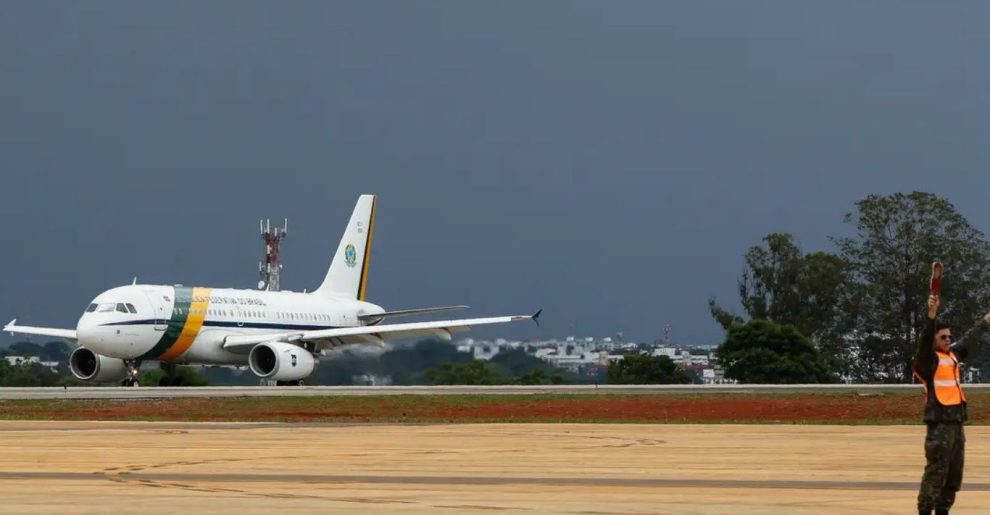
[[133, 370]]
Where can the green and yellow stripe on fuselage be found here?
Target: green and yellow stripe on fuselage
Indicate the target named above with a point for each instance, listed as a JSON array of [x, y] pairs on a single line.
[[188, 314]]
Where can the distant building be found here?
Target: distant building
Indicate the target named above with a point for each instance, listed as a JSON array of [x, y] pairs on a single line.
[[16, 361], [590, 357], [23, 360]]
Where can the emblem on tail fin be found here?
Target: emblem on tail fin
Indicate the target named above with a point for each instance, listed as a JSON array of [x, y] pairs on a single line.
[[350, 256], [347, 277]]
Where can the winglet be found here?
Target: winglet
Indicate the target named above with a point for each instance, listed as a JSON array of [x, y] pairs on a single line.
[[536, 316]]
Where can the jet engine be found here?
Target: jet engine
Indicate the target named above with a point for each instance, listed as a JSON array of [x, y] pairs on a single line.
[[280, 361], [90, 366]]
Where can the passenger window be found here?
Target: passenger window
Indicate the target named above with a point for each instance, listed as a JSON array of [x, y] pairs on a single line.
[[91, 308], [131, 308]]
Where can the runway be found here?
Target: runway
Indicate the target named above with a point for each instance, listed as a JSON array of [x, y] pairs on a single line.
[[101, 467], [11, 393]]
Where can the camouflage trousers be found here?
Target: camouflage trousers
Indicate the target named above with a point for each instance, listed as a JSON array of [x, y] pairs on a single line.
[[945, 447]]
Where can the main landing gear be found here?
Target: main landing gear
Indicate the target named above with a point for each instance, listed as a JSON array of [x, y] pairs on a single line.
[[133, 370], [270, 382], [170, 379], [290, 383]]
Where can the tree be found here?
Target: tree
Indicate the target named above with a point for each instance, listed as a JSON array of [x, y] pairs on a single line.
[[475, 372], [782, 284], [55, 351], [407, 364], [515, 362], [540, 376], [764, 352], [26, 349], [897, 238], [17, 375], [768, 287], [645, 369]]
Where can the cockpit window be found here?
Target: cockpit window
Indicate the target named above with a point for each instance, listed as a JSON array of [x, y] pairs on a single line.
[[121, 308], [105, 307], [130, 307], [91, 308]]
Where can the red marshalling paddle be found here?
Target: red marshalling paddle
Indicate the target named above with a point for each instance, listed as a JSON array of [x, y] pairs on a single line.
[[936, 284]]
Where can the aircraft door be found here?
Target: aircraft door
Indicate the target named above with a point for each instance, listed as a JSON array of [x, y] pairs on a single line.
[[162, 308]]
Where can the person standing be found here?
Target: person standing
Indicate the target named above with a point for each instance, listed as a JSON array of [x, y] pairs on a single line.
[[937, 366]]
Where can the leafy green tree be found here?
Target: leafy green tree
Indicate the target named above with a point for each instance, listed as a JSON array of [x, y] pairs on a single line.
[[55, 351], [764, 352], [897, 238], [812, 292], [18, 375], [541, 376], [26, 349], [475, 372], [407, 364], [645, 369]]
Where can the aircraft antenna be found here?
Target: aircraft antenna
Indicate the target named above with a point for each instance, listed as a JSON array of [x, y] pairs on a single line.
[[270, 269]]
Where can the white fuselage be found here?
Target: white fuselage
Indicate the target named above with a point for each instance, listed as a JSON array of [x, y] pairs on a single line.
[[183, 324]]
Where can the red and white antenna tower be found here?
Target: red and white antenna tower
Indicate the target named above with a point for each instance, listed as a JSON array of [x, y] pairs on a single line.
[[271, 267]]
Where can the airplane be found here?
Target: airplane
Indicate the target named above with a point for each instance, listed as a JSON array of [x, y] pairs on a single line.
[[277, 334]]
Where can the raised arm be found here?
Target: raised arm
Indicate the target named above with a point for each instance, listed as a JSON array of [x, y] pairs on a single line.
[[924, 360]]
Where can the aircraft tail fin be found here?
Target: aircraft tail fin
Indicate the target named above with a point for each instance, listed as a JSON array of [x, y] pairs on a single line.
[[348, 273]]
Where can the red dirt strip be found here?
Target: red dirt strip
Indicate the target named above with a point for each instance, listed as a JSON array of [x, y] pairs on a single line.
[[703, 408]]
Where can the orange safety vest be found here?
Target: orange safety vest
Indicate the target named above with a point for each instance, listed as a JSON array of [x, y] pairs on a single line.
[[948, 389]]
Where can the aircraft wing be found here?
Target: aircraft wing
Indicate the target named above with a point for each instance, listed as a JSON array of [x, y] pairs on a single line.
[[12, 327], [370, 334]]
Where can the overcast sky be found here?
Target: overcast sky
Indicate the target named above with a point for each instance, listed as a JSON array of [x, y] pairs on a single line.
[[609, 162]]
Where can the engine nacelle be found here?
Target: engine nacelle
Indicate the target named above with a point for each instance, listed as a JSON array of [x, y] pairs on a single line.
[[90, 366], [281, 361]]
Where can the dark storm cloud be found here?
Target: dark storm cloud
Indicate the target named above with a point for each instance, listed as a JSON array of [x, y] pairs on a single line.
[[607, 161]]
